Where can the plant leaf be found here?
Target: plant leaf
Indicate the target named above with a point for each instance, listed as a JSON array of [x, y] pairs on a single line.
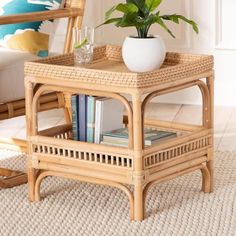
[[140, 14], [191, 22], [143, 10], [152, 4], [111, 21], [164, 26], [151, 19], [175, 18], [127, 8], [130, 20], [109, 12]]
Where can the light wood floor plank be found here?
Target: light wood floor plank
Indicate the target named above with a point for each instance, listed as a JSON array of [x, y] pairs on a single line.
[[162, 111], [222, 117], [190, 114], [10, 127], [228, 141], [16, 127]]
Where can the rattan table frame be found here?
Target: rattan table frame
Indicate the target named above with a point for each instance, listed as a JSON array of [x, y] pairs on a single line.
[[51, 153]]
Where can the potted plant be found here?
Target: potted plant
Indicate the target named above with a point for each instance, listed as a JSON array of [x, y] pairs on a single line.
[[143, 52]]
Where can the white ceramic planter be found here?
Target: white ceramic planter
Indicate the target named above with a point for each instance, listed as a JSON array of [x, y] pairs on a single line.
[[143, 54]]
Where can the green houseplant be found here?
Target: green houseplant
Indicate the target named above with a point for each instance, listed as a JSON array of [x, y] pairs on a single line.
[[143, 48]]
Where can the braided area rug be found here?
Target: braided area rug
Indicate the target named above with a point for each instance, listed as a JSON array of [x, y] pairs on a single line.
[[72, 208]]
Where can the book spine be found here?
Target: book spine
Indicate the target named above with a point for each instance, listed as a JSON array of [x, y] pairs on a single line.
[[82, 117], [90, 119], [74, 104], [97, 134]]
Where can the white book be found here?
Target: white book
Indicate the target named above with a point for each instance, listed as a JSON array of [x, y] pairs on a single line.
[[108, 116]]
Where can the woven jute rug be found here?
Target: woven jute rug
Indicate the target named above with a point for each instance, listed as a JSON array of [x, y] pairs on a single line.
[[73, 208]]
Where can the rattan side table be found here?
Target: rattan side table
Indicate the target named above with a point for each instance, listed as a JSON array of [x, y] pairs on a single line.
[[51, 152]]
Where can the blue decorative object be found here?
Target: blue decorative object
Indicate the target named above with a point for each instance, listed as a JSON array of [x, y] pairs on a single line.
[[13, 35]]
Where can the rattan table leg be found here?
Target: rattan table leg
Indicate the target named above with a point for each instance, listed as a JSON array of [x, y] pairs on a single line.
[[138, 202], [210, 85], [31, 183], [29, 90], [210, 162], [206, 179], [138, 176], [210, 167]]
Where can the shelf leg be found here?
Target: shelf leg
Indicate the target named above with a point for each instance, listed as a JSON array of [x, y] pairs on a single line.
[[29, 91], [138, 175], [210, 155], [29, 88], [210, 167], [31, 183], [206, 179], [138, 202], [210, 85]]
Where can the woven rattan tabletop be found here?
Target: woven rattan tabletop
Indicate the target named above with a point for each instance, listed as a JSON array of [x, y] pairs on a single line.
[[108, 69]]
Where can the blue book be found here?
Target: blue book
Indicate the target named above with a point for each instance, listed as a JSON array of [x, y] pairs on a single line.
[[90, 119], [74, 105], [82, 118]]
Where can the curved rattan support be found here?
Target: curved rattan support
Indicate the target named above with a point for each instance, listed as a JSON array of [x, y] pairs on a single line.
[[44, 174], [202, 167], [204, 91], [205, 103], [165, 91], [45, 88]]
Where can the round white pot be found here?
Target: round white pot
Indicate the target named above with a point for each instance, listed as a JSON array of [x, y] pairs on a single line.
[[143, 54]]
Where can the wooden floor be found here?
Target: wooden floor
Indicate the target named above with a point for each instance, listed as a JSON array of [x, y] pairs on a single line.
[[225, 121]]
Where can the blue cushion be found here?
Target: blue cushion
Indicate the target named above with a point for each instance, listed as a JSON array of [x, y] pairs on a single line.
[[30, 36]]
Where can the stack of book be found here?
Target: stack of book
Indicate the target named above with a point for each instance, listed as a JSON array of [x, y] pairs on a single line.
[[119, 137], [92, 116]]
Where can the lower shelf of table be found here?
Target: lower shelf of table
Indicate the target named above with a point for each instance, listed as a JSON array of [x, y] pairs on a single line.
[[53, 150]]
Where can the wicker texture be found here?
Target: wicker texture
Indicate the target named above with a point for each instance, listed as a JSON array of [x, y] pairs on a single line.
[[176, 67]]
